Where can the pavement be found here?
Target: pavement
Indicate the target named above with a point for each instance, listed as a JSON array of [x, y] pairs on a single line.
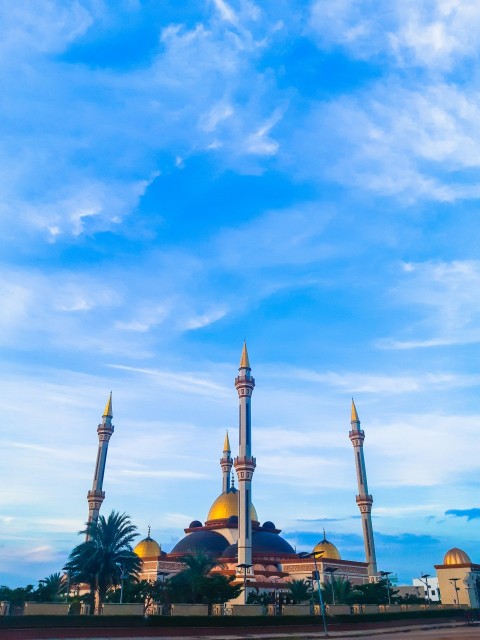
[[448, 630]]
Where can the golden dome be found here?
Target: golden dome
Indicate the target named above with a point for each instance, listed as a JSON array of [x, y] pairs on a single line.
[[147, 548], [329, 550], [456, 556], [226, 505]]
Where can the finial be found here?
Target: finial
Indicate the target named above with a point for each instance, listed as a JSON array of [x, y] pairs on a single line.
[[232, 481], [108, 408], [355, 417], [324, 535], [244, 361], [226, 444], [148, 534]]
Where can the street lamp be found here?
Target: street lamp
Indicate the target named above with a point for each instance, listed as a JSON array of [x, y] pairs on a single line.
[[457, 589], [315, 555], [424, 578], [331, 571], [244, 567], [123, 575], [385, 574]]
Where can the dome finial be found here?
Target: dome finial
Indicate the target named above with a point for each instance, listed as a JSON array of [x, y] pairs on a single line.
[[324, 535], [244, 361], [108, 408], [148, 532], [354, 417], [232, 481]]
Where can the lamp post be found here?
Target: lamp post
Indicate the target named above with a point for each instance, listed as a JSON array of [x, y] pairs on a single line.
[[331, 571], [457, 589], [315, 555], [244, 567], [123, 575], [424, 578], [385, 574]]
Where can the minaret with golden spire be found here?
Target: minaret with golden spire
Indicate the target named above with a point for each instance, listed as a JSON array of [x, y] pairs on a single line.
[[96, 495], [364, 499], [245, 465], [226, 463]]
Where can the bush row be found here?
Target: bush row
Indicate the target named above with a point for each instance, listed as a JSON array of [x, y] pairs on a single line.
[[19, 622]]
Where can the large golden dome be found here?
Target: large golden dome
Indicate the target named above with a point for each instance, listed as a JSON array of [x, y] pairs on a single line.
[[456, 556], [329, 550], [147, 548], [226, 505]]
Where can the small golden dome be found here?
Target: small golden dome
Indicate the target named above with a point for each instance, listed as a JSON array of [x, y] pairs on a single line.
[[226, 505], [147, 548], [456, 556], [329, 550]]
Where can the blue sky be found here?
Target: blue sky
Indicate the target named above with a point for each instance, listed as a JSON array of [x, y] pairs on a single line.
[[300, 174]]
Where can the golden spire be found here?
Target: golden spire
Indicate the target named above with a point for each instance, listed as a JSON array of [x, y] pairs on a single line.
[[355, 417], [226, 444], [108, 408], [244, 361]]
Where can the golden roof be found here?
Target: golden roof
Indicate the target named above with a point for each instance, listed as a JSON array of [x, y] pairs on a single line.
[[456, 556], [354, 417], [329, 550], [226, 444], [147, 548], [244, 361], [226, 505], [108, 408]]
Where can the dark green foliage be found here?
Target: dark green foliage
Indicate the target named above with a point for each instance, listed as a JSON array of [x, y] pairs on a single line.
[[99, 562], [342, 587], [53, 588], [138, 591], [18, 596], [300, 591], [372, 593], [196, 585]]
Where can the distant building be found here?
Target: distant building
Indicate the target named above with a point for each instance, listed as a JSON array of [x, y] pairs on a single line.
[[459, 579], [433, 590]]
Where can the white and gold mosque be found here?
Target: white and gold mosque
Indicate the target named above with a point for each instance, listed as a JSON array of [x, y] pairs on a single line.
[[233, 533]]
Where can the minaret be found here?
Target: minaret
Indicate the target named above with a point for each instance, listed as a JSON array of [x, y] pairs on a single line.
[[245, 465], [364, 499], [226, 463], [96, 495]]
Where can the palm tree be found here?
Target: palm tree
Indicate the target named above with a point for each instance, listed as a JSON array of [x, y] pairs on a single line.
[[299, 590], [52, 587], [199, 566], [342, 587], [106, 557]]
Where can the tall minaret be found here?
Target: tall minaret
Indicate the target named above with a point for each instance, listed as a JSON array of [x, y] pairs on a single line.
[[364, 499], [96, 495], [226, 463], [245, 464]]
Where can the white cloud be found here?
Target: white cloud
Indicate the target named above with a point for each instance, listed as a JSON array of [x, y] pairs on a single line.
[[445, 295], [411, 143], [434, 34]]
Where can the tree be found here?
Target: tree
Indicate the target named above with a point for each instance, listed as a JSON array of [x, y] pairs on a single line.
[[199, 566], [300, 591], [342, 588], [139, 591], [18, 596], [106, 557], [195, 584], [51, 588], [372, 593]]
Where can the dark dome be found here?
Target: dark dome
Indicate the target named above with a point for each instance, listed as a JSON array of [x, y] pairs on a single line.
[[207, 541], [194, 524], [268, 525], [264, 543], [233, 520]]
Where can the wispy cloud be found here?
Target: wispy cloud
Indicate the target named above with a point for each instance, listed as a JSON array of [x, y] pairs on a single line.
[[469, 514]]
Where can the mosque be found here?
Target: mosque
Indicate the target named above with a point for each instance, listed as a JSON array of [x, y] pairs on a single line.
[[256, 553]]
